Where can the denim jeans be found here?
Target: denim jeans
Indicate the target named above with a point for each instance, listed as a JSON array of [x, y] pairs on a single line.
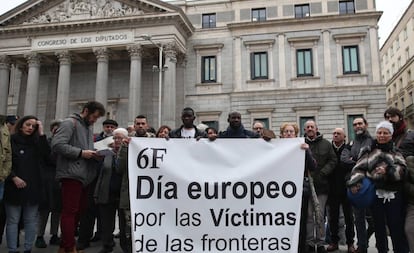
[[13, 214]]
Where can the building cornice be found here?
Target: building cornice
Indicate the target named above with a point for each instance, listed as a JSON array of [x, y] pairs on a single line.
[[307, 21]]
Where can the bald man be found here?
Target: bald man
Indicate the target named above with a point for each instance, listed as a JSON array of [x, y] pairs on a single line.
[[337, 197]]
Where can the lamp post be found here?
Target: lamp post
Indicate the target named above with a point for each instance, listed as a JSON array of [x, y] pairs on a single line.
[[160, 70]]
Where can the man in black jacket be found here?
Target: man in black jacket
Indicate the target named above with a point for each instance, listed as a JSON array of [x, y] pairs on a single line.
[[187, 129], [236, 128]]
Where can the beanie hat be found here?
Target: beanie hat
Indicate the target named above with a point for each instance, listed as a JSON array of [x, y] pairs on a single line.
[[110, 122], [122, 131], [386, 125]]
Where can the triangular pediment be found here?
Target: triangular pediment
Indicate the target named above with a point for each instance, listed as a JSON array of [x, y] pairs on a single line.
[[59, 11]]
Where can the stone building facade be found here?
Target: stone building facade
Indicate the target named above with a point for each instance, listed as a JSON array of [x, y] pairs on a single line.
[[274, 61], [397, 61]]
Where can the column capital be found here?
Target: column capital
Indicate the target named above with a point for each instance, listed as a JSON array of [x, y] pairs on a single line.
[[5, 61], [64, 57], [135, 51], [101, 53], [171, 51], [33, 59]]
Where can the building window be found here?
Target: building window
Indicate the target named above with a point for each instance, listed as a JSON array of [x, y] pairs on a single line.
[[209, 69], [209, 20], [409, 76], [304, 62], [397, 44], [259, 65], [302, 11], [405, 34], [302, 121], [346, 7], [211, 123], [411, 97], [350, 121], [259, 14], [407, 54], [350, 60]]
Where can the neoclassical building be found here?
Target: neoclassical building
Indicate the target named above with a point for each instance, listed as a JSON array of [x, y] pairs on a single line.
[[397, 60], [273, 61]]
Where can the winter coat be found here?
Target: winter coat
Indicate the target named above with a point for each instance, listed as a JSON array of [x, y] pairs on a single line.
[[123, 170], [384, 155], [339, 176], [409, 180], [73, 136], [27, 155], [240, 132], [326, 160], [108, 185], [350, 154], [51, 195], [176, 133]]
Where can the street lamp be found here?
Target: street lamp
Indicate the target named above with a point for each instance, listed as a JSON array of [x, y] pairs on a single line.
[[160, 70]]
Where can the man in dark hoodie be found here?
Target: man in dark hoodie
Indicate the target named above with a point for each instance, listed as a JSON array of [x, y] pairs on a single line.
[[326, 161], [236, 128], [396, 118]]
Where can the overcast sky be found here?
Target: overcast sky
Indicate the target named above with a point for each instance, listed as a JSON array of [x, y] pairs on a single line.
[[393, 9]]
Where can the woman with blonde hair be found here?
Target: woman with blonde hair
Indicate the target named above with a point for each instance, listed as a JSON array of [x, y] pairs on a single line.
[[291, 130]]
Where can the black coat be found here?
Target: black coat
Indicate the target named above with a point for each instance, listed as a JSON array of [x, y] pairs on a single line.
[[28, 152]]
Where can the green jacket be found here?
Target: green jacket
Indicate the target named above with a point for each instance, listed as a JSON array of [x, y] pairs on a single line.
[[5, 149]]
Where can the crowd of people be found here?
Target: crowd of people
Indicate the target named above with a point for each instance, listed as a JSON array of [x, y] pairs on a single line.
[[368, 180]]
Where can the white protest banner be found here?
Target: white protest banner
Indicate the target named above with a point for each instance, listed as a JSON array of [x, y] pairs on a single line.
[[229, 195]]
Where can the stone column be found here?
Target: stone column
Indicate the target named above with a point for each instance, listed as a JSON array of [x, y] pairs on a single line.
[[327, 57], [135, 82], [169, 88], [101, 89], [4, 82], [282, 60], [62, 97], [237, 63], [375, 59], [32, 90]]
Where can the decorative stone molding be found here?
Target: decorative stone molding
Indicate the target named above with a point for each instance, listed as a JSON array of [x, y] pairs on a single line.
[[33, 59], [64, 57], [78, 10], [101, 53], [171, 51], [135, 51], [5, 61]]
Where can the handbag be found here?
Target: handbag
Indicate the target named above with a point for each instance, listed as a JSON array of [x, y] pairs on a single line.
[[365, 196]]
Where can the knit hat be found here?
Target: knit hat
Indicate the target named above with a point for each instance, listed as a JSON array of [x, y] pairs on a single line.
[[11, 119], [122, 131], [386, 125]]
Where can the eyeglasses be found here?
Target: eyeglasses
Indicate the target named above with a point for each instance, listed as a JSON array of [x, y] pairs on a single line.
[[336, 133], [289, 131]]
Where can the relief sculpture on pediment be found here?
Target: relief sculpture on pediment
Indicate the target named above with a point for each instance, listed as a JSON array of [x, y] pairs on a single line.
[[84, 9]]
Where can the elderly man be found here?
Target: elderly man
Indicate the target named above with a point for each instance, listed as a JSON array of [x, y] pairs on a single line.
[[337, 196], [326, 161]]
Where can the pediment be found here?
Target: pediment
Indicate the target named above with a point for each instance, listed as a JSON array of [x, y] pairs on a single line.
[[59, 11]]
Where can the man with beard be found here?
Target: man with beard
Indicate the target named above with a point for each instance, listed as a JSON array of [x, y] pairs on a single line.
[[326, 161], [187, 129], [396, 118], [349, 157], [236, 128], [76, 167]]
